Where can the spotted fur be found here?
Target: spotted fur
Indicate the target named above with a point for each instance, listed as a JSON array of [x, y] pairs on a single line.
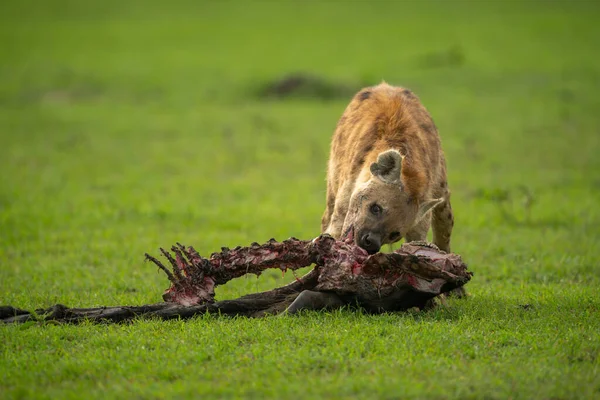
[[386, 175]]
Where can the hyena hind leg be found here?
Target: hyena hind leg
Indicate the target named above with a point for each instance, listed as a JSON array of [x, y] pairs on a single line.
[[311, 300], [443, 222]]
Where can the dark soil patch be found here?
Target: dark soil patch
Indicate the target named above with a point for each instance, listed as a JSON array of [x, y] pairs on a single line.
[[301, 85], [452, 57]]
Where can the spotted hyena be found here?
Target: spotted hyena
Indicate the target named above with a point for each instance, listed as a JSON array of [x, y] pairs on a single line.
[[386, 179], [386, 176]]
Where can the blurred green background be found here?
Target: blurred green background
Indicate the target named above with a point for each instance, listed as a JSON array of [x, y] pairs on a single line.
[[130, 125]]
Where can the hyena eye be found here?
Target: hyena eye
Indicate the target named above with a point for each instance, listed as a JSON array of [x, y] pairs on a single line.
[[394, 236], [375, 209]]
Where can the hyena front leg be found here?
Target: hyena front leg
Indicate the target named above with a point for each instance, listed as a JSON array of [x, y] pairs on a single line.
[[419, 231], [339, 212], [443, 221], [336, 223]]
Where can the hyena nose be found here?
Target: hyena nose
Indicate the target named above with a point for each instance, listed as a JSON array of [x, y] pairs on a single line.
[[370, 242]]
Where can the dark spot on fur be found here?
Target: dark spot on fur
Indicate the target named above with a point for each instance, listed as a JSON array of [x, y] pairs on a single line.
[[428, 128], [360, 159], [420, 147], [450, 217], [432, 122], [443, 185], [408, 94], [357, 165], [355, 119], [367, 149], [339, 141], [331, 202], [364, 95]]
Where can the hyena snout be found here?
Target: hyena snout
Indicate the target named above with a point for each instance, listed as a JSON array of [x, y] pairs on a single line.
[[370, 241]]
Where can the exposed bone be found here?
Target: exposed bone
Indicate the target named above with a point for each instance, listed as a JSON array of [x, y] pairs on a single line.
[[380, 282], [401, 280]]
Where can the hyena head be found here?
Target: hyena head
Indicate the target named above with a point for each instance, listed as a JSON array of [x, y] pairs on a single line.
[[380, 210]]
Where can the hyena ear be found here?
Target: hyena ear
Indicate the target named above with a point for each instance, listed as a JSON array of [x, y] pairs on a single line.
[[426, 206], [388, 166]]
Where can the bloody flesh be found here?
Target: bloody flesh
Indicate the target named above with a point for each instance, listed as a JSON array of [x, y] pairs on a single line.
[[381, 282], [408, 277]]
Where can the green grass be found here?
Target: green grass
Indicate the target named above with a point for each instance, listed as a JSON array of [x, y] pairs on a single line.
[[126, 126]]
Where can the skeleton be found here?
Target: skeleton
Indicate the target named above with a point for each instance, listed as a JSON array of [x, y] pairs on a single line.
[[344, 275]]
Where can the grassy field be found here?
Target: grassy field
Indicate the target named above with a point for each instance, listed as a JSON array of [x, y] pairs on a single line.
[[129, 125]]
